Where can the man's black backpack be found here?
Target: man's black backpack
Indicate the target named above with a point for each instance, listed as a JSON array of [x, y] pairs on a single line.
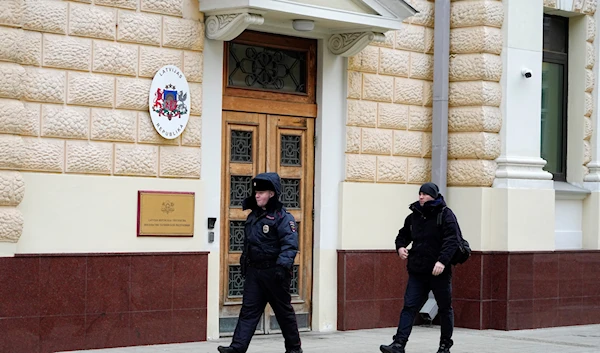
[[463, 252]]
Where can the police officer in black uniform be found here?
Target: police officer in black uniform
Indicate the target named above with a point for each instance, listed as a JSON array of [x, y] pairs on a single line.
[[270, 246]]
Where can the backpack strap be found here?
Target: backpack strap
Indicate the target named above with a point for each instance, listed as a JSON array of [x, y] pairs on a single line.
[[440, 216]]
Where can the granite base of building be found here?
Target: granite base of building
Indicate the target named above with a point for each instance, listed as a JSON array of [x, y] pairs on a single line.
[[493, 290], [71, 302]]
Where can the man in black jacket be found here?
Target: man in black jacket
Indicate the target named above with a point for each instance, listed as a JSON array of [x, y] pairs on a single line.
[[429, 267], [270, 246]]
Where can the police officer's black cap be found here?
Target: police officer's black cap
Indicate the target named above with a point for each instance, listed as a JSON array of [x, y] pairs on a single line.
[[262, 185]]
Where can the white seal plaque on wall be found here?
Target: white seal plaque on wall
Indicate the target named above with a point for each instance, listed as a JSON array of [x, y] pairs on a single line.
[[169, 101]]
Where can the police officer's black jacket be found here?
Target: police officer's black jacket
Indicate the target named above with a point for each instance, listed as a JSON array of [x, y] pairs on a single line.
[[271, 234], [431, 242]]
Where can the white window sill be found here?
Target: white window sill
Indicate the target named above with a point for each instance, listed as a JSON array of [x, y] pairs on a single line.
[[566, 191]]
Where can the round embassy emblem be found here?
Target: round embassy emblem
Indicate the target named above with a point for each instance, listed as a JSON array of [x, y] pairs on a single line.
[[169, 101]]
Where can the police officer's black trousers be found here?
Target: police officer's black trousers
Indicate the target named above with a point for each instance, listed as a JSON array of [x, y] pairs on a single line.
[[261, 287], [416, 295]]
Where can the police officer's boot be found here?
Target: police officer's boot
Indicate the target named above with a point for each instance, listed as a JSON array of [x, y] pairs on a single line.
[[297, 350], [395, 347], [222, 349]]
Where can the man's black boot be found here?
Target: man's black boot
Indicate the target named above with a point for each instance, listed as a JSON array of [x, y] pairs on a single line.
[[395, 347], [444, 347], [296, 350], [222, 349]]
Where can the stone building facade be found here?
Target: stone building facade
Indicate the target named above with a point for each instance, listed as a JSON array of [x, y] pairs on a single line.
[[77, 145]]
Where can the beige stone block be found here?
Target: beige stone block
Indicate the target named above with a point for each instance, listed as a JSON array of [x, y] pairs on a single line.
[[376, 141], [139, 28], [474, 145], [30, 50], [89, 157], [11, 43], [114, 125], [11, 84], [409, 91], [31, 120], [551, 4], [183, 33], [362, 113], [353, 138], [12, 188], [590, 58], [590, 28], [395, 62], [167, 7], [474, 67], [476, 13], [92, 21], [429, 40], [192, 135], [195, 98], [474, 119], [412, 143], [132, 93], [425, 16], [114, 58], [12, 13], [180, 162], [587, 152], [361, 167], [589, 104], [589, 81], [476, 40], [419, 170], [12, 150], [475, 93], [91, 89], [354, 84], [152, 59], [378, 88], [390, 38], [589, 7], [66, 122], [126, 4], [420, 118], [365, 61], [85, 1], [11, 224], [392, 169], [12, 117], [136, 160], [67, 52], [411, 37], [393, 116], [44, 85], [45, 16], [193, 66], [148, 134], [421, 66], [44, 155], [471, 172], [588, 128]]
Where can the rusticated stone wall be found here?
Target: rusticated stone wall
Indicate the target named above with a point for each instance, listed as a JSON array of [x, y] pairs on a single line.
[[390, 105], [74, 91], [390, 96], [474, 118]]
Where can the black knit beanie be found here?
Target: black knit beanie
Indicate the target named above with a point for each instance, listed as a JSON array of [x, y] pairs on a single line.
[[430, 189]]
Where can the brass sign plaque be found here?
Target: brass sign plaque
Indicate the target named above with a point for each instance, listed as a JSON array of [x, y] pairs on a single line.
[[166, 214]]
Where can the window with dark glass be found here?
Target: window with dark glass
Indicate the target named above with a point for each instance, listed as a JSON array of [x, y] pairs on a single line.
[[554, 95]]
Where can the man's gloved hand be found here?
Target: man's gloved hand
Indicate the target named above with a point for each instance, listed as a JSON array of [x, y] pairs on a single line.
[[281, 273]]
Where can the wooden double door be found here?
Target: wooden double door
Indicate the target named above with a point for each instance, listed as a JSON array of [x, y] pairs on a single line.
[[254, 143]]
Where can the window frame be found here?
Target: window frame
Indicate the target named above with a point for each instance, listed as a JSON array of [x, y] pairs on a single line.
[[561, 58]]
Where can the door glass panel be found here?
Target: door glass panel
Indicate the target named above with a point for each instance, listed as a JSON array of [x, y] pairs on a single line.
[[236, 281], [240, 188], [290, 193], [236, 236], [552, 117], [241, 146], [267, 68], [290, 150], [294, 286]]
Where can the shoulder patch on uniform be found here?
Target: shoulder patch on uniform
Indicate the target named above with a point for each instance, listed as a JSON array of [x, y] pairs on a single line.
[[293, 226], [270, 217]]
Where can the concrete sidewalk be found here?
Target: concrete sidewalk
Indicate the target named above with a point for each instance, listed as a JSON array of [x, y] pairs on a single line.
[[572, 339]]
